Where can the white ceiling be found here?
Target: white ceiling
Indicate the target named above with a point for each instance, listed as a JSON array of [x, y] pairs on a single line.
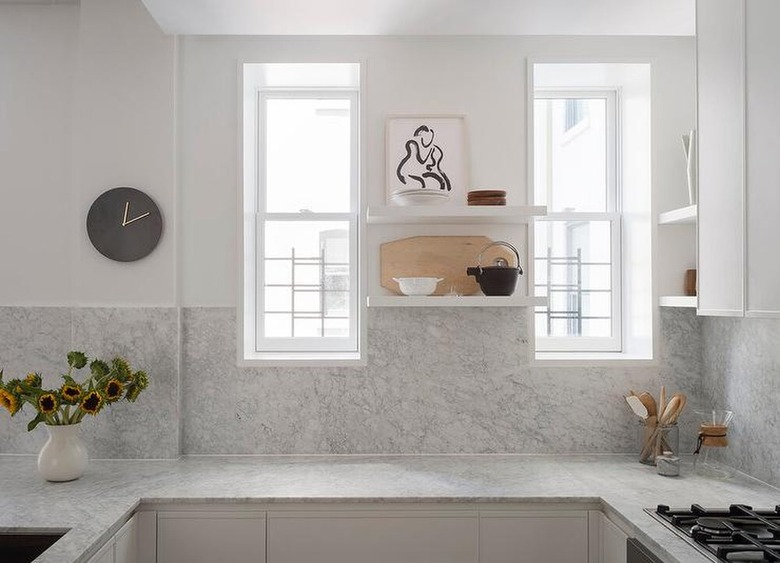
[[424, 17]]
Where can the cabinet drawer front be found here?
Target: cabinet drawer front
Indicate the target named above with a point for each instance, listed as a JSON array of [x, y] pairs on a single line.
[[209, 537], [532, 539], [375, 538]]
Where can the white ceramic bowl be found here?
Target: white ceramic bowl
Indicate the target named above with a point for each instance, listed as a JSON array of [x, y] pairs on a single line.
[[419, 197], [417, 286]]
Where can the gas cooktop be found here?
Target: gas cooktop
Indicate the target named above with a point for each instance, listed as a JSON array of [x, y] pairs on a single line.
[[736, 534]]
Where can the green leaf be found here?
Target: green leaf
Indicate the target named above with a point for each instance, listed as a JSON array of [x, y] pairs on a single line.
[[35, 422], [77, 359], [99, 368]]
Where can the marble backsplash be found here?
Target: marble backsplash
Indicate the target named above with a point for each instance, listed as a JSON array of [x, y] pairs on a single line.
[[742, 373], [437, 381], [38, 339]]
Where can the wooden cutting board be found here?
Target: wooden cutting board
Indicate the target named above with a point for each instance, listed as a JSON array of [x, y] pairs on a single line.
[[441, 257]]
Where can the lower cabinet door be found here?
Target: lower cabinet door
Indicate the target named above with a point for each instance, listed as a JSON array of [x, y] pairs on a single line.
[[105, 555], [538, 537], [126, 542], [210, 537], [373, 537], [612, 542]]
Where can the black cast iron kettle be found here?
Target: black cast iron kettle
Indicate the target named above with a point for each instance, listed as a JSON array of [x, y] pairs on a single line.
[[500, 278]]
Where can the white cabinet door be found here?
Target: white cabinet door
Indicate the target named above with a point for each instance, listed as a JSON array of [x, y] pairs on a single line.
[[126, 542], [763, 163], [105, 555], [612, 542], [720, 60], [538, 537], [210, 537], [373, 536]]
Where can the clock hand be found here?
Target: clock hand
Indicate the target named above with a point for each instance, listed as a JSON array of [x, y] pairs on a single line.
[[124, 218], [137, 218]]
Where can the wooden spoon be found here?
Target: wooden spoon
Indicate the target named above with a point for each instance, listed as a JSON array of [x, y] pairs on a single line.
[[649, 402], [670, 410], [683, 400], [636, 406], [662, 401]]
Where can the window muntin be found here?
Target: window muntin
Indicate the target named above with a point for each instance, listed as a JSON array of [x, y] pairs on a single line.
[[578, 245]]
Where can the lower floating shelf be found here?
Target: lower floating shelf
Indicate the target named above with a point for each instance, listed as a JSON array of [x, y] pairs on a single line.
[[678, 301], [455, 301]]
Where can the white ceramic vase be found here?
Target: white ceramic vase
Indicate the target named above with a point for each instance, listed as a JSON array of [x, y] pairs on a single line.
[[64, 456]]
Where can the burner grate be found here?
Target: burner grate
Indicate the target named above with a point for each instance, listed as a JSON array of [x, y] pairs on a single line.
[[738, 533]]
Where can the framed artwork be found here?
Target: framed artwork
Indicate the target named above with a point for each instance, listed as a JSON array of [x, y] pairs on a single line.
[[426, 159]]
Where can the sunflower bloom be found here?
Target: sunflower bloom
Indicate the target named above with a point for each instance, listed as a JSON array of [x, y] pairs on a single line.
[[92, 402], [33, 379], [70, 393], [48, 403], [9, 401], [114, 390]]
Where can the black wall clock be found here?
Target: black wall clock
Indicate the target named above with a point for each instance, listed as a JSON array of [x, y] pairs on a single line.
[[124, 224]]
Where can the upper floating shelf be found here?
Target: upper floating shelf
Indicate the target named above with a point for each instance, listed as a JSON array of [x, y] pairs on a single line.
[[681, 216], [462, 215]]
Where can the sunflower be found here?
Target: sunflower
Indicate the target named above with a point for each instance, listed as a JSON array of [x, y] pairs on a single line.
[[9, 401], [71, 393], [92, 402], [48, 403], [33, 379], [114, 390]]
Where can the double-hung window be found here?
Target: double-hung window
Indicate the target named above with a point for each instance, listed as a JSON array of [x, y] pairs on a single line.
[[301, 214], [577, 246]]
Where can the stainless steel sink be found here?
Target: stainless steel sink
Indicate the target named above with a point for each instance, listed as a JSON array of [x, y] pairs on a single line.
[[24, 547]]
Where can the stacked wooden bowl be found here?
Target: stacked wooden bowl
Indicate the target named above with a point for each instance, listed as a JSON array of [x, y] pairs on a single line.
[[487, 197]]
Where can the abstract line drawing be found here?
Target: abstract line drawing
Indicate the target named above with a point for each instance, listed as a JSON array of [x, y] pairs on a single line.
[[422, 162], [426, 162]]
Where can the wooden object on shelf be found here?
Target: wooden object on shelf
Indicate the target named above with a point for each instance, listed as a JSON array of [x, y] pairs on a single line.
[[689, 286], [440, 256]]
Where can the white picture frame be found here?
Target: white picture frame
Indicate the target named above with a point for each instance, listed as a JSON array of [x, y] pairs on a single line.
[[426, 153]]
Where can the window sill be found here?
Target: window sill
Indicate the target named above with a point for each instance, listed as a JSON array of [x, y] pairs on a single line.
[[302, 360], [589, 359]]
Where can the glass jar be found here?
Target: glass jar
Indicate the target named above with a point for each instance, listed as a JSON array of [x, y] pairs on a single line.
[[654, 440]]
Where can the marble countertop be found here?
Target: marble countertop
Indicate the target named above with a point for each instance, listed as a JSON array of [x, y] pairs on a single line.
[[95, 506]]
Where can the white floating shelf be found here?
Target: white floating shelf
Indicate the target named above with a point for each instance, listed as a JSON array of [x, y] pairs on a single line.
[[455, 301], [678, 301], [682, 216], [462, 215]]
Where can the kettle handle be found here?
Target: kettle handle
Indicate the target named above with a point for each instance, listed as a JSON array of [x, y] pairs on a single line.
[[500, 243]]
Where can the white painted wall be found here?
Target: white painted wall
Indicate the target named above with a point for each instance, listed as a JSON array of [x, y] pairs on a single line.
[[124, 135], [86, 104], [91, 98], [37, 58], [482, 77]]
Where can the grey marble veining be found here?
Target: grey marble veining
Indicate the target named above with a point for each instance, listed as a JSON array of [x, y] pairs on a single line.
[[95, 506], [38, 339], [742, 373], [437, 381]]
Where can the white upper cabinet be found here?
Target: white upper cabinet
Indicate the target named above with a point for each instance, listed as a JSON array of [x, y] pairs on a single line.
[[721, 124], [763, 159], [738, 75]]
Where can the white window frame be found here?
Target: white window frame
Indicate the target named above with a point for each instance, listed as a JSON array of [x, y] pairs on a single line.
[[614, 343], [257, 349]]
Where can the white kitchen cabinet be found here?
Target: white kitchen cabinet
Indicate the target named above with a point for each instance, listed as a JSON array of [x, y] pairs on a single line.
[[519, 537], [763, 165], [739, 172], [355, 536], [721, 168], [611, 540], [105, 555], [133, 543], [211, 537]]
